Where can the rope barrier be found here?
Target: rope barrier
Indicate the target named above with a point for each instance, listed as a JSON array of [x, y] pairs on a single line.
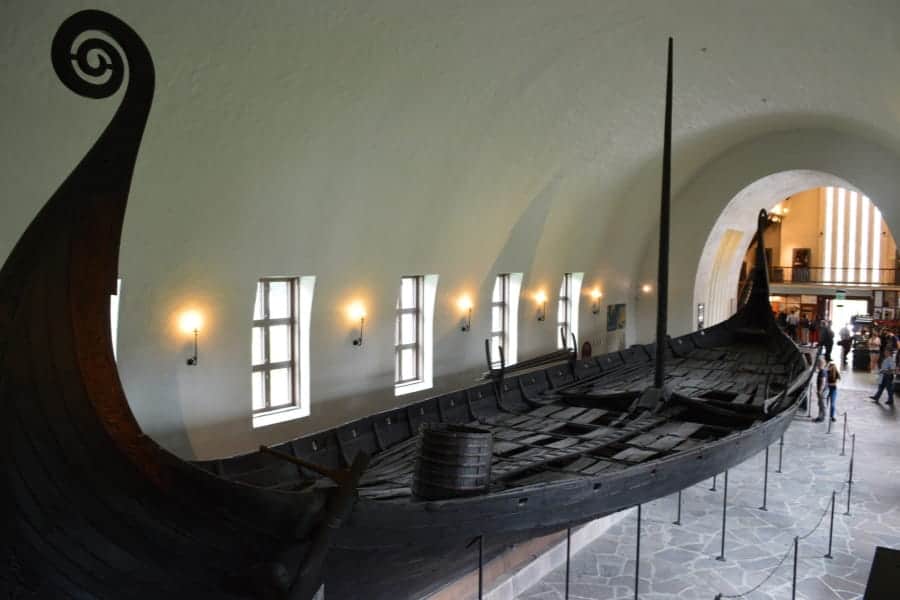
[[790, 550]]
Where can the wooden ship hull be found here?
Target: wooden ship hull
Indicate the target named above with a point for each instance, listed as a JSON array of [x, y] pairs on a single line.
[[571, 444], [93, 508]]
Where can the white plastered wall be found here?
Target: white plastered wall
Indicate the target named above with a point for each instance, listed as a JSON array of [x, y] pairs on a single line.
[[360, 141]]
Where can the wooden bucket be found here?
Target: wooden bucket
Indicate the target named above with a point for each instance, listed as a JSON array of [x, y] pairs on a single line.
[[452, 461]]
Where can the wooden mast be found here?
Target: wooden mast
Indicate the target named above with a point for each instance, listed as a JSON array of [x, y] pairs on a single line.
[[663, 269]]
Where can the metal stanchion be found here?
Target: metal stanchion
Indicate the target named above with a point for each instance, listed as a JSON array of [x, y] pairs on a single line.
[[713, 488], [480, 540], [480, 566], [850, 479], [844, 438], [794, 582], [780, 453], [724, 513], [677, 520], [568, 558], [765, 481], [831, 526], [637, 555]]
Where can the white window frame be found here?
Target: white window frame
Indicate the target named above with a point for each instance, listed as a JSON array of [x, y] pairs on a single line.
[[423, 344], [301, 291], [505, 333], [567, 310]]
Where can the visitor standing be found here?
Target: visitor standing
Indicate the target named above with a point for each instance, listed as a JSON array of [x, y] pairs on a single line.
[[792, 321], [844, 343], [804, 329], [821, 387], [833, 377], [826, 338], [874, 351], [814, 329], [886, 380]]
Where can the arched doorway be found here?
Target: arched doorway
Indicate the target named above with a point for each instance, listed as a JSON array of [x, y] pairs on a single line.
[[822, 242]]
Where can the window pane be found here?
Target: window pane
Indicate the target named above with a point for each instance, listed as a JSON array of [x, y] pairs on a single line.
[[495, 348], [279, 343], [561, 313], [259, 390], [279, 300], [498, 290], [280, 383], [496, 319], [257, 346], [258, 303], [408, 329], [562, 288], [408, 292], [408, 364]]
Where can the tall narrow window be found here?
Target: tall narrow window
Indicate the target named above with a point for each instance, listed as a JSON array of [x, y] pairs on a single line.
[[851, 235], [413, 341], [499, 319], [876, 245], [567, 313], [839, 244], [505, 318], [864, 220], [279, 349], [408, 334], [829, 232]]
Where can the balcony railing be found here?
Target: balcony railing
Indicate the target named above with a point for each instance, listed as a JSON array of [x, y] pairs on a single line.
[[832, 276]]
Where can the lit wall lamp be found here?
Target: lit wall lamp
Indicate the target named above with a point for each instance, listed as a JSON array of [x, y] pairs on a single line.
[[596, 294], [191, 322], [541, 299], [465, 305], [646, 288], [358, 313]]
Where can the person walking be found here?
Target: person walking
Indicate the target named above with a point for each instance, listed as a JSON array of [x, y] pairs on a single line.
[[821, 387], [886, 380], [833, 377]]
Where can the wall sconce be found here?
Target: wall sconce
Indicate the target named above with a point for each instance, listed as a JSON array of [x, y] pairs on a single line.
[[358, 312], [465, 305], [646, 288], [190, 322], [541, 299], [596, 294]]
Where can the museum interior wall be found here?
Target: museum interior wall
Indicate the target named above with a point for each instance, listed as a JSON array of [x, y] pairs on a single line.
[[359, 142]]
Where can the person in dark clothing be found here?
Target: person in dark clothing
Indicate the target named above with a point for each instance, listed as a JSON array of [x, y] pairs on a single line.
[[826, 338], [822, 391], [887, 380]]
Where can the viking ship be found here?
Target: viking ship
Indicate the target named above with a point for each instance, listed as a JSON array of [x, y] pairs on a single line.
[[93, 508]]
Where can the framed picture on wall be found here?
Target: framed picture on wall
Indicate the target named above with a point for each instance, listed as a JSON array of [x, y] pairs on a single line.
[[876, 313], [887, 314], [879, 298], [890, 298], [615, 317]]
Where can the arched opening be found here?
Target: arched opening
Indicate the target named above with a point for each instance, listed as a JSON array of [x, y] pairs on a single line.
[[825, 240]]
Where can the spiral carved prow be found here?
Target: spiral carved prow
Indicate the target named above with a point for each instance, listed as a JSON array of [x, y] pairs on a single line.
[[100, 64]]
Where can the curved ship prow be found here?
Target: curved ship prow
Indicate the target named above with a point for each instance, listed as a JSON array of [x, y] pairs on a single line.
[[93, 508]]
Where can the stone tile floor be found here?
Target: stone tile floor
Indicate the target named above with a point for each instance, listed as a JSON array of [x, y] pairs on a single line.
[[679, 562]]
